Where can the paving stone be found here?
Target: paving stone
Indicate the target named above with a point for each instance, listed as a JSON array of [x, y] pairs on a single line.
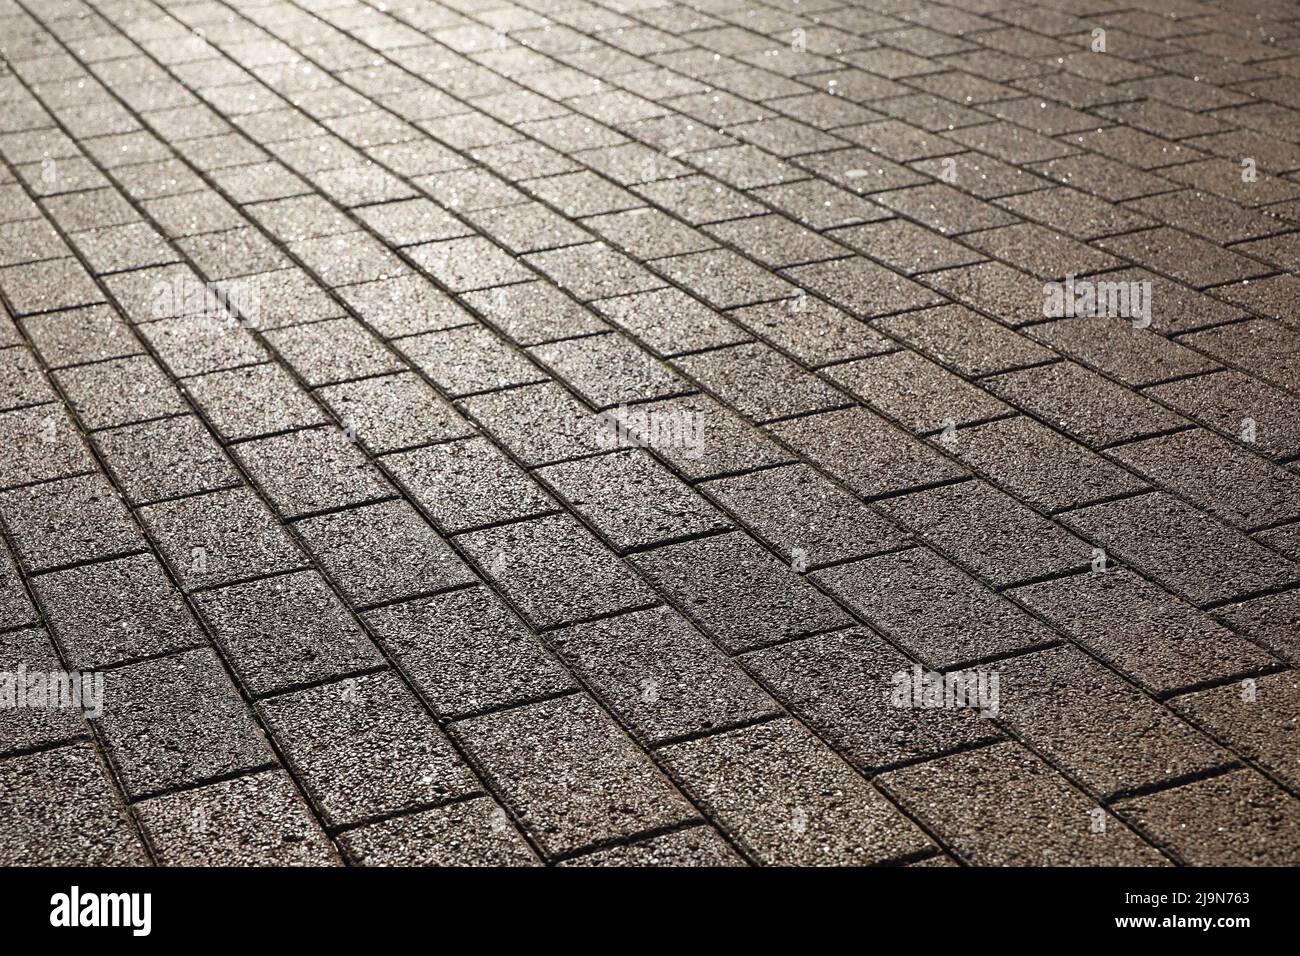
[[119, 392], [468, 360], [28, 655], [865, 452], [905, 246], [990, 532], [135, 611], [1217, 475], [285, 631], [365, 748], [695, 846], [311, 471], [803, 516], [1083, 404], [840, 685], [466, 653], [65, 522], [47, 286], [761, 383], [938, 613], [220, 537], [466, 484], [193, 345], [1078, 714], [256, 400], [1040, 466], [660, 677], [608, 370], [1256, 717], [737, 592], [631, 499], [60, 810], [1238, 405], [469, 833], [382, 552], [963, 340], [164, 459], [335, 350], [257, 820], [21, 380], [403, 305], [540, 424], [555, 571], [1160, 641], [1005, 807], [533, 312], [569, 775], [669, 321], [1235, 819], [915, 392], [1184, 549], [177, 721], [1270, 620], [789, 800], [812, 331], [393, 412], [80, 335]]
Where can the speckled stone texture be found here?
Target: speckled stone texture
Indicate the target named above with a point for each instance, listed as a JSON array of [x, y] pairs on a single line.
[[627, 432]]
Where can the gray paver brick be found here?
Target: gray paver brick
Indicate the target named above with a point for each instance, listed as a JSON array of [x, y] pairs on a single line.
[[63, 522], [789, 800], [569, 775], [470, 833], [364, 747]]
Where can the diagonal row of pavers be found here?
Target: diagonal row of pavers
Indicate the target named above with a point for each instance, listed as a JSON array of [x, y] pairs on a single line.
[[483, 432]]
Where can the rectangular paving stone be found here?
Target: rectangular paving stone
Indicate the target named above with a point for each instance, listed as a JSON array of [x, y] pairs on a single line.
[[309, 471], [840, 685], [804, 516], [382, 552], [1184, 549], [737, 592], [1083, 404], [468, 360], [28, 658], [64, 522], [941, 615], [465, 652], [569, 775], [989, 531], [393, 412], [540, 424], [761, 383], [1235, 819], [73, 336], [61, 810], [285, 631], [40, 443], [1005, 807], [555, 571], [693, 846], [661, 678], [258, 820], [865, 452], [1039, 465], [788, 800], [467, 484], [1105, 732], [814, 332], [176, 721], [632, 499], [608, 370], [248, 402], [469, 833], [115, 611], [364, 747], [915, 392]]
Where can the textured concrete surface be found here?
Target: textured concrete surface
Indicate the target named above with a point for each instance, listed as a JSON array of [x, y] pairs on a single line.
[[610, 432]]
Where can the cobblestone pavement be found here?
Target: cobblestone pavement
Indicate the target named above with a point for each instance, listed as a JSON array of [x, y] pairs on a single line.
[[582, 431]]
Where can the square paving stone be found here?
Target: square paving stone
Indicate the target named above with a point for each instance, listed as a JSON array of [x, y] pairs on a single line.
[[789, 800], [569, 775], [286, 631], [465, 652], [177, 721], [738, 593], [115, 611], [61, 810], [258, 820]]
